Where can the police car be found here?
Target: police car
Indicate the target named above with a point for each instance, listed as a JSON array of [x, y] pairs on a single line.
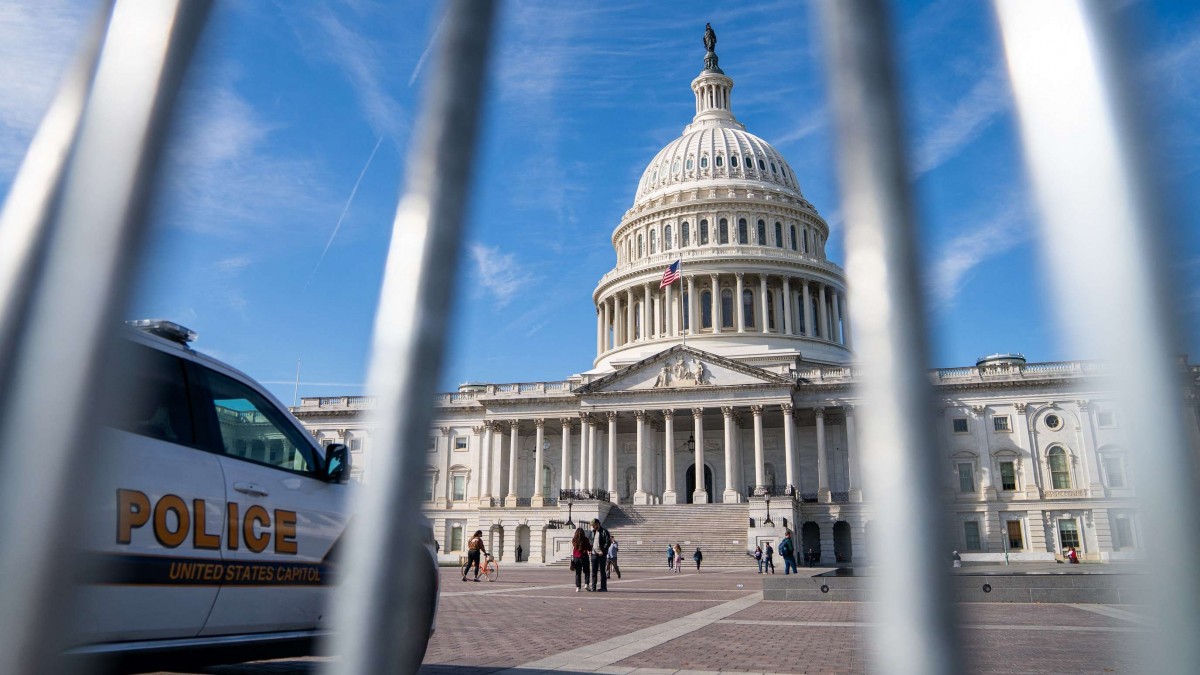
[[214, 519]]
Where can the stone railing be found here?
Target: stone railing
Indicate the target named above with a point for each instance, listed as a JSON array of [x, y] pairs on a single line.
[[1066, 494], [583, 495], [524, 501], [769, 491], [338, 402], [657, 261]]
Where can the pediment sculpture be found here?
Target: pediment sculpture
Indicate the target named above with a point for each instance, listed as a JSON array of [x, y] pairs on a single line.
[[683, 371]]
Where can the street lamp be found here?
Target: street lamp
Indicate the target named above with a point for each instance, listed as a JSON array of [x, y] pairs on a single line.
[[768, 521], [570, 503]]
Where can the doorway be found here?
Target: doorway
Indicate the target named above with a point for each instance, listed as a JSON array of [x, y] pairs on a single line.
[[691, 483], [843, 547]]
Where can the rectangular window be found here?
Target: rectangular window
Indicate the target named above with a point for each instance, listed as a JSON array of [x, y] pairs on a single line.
[[1114, 469], [966, 477], [460, 443], [433, 443], [1068, 533], [1000, 423], [356, 445], [960, 425], [971, 535], [1015, 541], [253, 429], [1122, 533], [459, 488], [1106, 418], [456, 538], [153, 400], [1008, 476], [430, 486]]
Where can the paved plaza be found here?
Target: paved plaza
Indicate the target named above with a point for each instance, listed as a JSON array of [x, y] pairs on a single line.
[[654, 622]]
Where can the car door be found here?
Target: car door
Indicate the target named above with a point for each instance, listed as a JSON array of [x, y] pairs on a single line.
[[151, 533], [282, 517]]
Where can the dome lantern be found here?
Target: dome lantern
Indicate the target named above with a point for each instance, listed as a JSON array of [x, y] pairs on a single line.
[[712, 87]]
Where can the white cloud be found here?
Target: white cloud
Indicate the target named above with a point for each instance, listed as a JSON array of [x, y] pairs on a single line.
[[969, 117], [232, 266], [1002, 230], [499, 273], [813, 122], [37, 40]]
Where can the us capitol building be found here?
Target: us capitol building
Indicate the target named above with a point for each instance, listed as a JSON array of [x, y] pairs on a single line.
[[721, 409]]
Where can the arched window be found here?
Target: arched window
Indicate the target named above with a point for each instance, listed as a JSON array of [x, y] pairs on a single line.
[[733, 161], [723, 231], [773, 168], [726, 308], [667, 238], [689, 164], [762, 233], [749, 163], [761, 166], [771, 310], [1060, 470], [686, 317], [720, 161], [685, 235], [706, 309], [806, 240], [675, 168], [743, 235], [637, 320], [748, 308], [641, 249], [778, 235], [703, 232], [546, 482], [653, 242], [704, 161], [793, 237], [802, 329]]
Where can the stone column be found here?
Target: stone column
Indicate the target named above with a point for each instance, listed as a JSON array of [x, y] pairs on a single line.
[[823, 494], [606, 339], [629, 324], [787, 306], [496, 473], [641, 496], [565, 478], [612, 456], [738, 306], [539, 460], [846, 340], [716, 304], [837, 317], [762, 301], [852, 459], [823, 330], [1090, 457], [789, 447], [691, 305], [669, 312], [646, 327], [808, 317], [699, 495], [514, 452], [731, 494], [1028, 477], [485, 452], [759, 469], [584, 462], [617, 338], [669, 494], [594, 453]]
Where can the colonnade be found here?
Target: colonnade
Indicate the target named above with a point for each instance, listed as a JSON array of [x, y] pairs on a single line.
[[597, 447], [757, 303]]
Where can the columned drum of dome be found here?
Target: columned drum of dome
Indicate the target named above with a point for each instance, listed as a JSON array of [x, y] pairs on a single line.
[[756, 283]]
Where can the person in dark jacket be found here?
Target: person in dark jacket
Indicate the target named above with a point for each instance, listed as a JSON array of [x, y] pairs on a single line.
[[697, 556], [600, 540], [769, 559]]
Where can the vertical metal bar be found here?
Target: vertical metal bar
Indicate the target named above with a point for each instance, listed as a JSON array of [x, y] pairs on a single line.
[[93, 238], [383, 586], [1103, 240], [915, 632]]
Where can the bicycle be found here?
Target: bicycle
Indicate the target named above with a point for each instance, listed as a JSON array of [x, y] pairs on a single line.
[[488, 567]]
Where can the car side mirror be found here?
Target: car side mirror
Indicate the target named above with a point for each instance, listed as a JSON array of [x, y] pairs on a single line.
[[337, 463]]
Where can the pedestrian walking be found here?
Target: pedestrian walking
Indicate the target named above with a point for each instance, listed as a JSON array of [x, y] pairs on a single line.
[[1073, 555], [811, 557], [600, 539], [474, 550], [758, 558], [612, 559], [769, 559], [670, 557], [956, 558], [788, 552], [580, 546], [678, 558], [697, 556]]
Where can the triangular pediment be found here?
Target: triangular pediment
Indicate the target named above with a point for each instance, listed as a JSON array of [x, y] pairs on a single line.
[[683, 368]]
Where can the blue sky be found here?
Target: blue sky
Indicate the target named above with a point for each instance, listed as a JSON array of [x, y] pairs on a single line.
[[292, 108]]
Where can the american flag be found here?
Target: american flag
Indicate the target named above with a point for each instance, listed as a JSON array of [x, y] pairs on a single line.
[[671, 275]]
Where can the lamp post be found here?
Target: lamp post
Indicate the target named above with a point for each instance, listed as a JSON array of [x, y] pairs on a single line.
[[570, 503], [768, 521]]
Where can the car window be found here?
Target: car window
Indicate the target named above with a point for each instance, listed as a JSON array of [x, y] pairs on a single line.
[[252, 428], [152, 398]]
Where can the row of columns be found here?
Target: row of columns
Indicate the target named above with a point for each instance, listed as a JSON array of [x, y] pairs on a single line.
[[592, 453], [660, 315]]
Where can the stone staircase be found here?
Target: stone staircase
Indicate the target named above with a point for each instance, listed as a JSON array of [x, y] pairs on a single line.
[[643, 533]]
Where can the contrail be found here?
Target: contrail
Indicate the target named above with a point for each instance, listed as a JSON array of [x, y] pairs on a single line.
[[425, 54], [345, 209]]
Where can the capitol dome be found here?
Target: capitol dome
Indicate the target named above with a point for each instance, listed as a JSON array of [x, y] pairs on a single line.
[[754, 282]]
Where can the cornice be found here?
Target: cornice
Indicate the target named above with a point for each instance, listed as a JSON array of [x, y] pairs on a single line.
[[652, 273]]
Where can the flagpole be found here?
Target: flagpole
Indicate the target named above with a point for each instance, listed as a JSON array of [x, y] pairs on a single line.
[[683, 303]]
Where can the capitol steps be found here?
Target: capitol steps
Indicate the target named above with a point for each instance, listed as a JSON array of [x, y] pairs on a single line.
[[644, 532]]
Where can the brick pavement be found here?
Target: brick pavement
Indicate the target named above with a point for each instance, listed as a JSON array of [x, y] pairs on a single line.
[[653, 623]]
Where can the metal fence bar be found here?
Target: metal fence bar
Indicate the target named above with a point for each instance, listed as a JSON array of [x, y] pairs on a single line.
[[93, 229], [915, 632], [1102, 230], [372, 613]]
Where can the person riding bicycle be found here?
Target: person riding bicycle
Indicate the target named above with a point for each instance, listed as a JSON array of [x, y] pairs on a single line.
[[475, 548]]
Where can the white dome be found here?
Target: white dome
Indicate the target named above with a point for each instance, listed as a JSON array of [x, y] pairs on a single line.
[[712, 154]]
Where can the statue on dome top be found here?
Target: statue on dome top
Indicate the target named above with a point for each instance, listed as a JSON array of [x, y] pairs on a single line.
[[710, 38]]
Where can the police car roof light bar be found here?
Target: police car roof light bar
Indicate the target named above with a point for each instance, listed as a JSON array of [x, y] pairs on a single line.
[[165, 329]]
